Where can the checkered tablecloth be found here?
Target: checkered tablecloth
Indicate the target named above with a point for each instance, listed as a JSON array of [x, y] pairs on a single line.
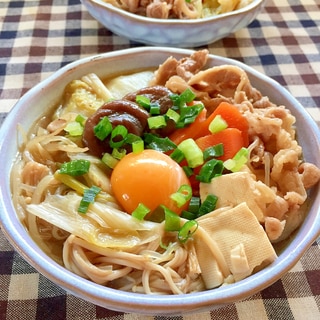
[[37, 37]]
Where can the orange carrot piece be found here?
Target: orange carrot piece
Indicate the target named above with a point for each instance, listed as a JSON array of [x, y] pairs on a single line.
[[203, 130], [231, 138], [191, 130], [234, 119]]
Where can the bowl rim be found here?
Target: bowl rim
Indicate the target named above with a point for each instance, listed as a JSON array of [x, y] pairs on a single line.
[[173, 22], [140, 303]]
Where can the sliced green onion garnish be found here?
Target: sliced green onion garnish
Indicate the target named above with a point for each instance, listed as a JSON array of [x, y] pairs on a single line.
[[188, 171], [172, 220], [75, 167], [140, 212], [217, 124], [137, 146], [182, 196], [209, 170], [89, 196], [131, 138], [157, 215], [81, 119], [243, 152], [118, 136], [187, 230], [74, 128], [185, 97], [188, 215], [157, 143], [109, 160], [214, 151], [103, 128], [177, 155], [118, 153], [173, 115], [143, 101], [154, 109], [156, 122], [194, 205], [238, 161], [188, 115], [192, 152], [208, 205]]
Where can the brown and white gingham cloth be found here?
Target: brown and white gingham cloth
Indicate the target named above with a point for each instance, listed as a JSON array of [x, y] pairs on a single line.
[[37, 37]]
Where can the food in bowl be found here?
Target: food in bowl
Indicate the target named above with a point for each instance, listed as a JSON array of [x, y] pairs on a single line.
[[179, 9], [172, 32], [92, 180]]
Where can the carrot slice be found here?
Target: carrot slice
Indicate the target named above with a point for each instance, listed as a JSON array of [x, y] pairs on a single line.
[[234, 119], [190, 131], [231, 138]]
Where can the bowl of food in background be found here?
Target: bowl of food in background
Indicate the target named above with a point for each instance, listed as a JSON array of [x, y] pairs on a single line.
[[176, 23], [121, 185]]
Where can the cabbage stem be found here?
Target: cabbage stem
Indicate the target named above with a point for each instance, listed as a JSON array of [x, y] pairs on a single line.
[[79, 187]]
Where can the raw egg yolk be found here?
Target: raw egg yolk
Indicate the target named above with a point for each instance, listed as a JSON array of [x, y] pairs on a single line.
[[149, 177]]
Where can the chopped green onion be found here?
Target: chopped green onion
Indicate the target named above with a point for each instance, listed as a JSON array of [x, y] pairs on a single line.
[[157, 215], [118, 136], [175, 98], [217, 124], [109, 160], [75, 167], [173, 115], [103, 128], [131, 138], [143, 101], [177, 155], [157, 143], [137, 146], [214, 151], [192, 152], [156, 122], [187, 170], [188, 215], [185, 97], [187, 230], [140, 212], [238, 161], [118, 153], [154, 109], [74, 128], [208, 205], [81, 119], [194, 205], [188, 115], [89, 196], [172, 220], [182, 196], [209, 170]]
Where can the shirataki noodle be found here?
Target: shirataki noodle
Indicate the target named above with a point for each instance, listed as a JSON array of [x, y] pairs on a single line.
[[261, 203]]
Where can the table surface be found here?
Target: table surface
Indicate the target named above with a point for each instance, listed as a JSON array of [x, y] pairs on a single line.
[[38, 37]]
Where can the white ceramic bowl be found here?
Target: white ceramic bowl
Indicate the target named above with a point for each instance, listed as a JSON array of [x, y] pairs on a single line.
[[34, 103], [169, 32]]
